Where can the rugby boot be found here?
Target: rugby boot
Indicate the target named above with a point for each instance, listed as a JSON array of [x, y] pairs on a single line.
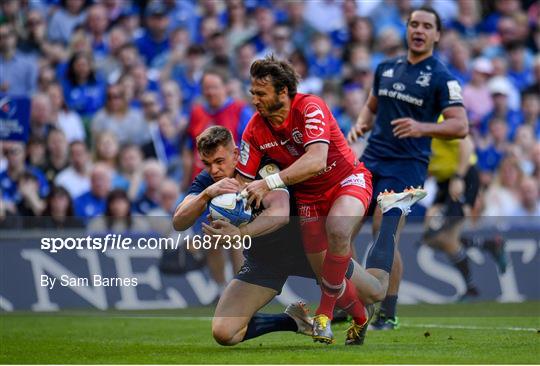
[[321, 329], [300, 315]]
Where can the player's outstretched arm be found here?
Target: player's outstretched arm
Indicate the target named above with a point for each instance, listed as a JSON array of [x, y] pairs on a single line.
[[364, 122], [194, 205], [455, 125]]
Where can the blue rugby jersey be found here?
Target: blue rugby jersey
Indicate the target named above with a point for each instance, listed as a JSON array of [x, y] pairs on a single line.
[[421, 91]]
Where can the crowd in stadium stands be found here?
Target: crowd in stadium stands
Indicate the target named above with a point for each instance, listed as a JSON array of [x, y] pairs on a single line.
[[120, 89]]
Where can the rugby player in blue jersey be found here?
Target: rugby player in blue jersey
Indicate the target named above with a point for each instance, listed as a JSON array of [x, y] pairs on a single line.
[[409, 93], [276, 252]]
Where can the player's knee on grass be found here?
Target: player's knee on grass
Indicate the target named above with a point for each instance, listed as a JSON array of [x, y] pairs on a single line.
[[225, 331]]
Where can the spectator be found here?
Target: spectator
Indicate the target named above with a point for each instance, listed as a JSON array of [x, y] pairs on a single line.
[[62, 117], [165, 143], [106, 149], [245, 55], [76, 177], [92, 203], [239, 29], [492, 148], [36, 153], [361, 33], [16, 168], [142, 83], [322, 62], [30, 202], [57, 154], [153, 175], [130, 161], [40, 116], [280, 43], [171, 96], [530, 111], [59, 212], [265, 22], [36, 44], [83, 91], [500, 90], [161, 220], [460, 57], [109, 65], [529, 199], [308, 84], [519, 73], [476, 94], [522, 148], [502, 197], [189, 76], [218, 109], [126, 123], [19, 74], [46, 77], [117, 217], [330, 10], [155, 39], [182, 14], [467, 21], [65, 19], [301, 30], [96, 26]]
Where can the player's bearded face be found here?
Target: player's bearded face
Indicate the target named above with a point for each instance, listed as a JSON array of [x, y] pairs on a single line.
[[265, 98]]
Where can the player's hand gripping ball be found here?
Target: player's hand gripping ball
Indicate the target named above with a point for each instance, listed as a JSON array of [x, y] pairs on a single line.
[[231, 208]]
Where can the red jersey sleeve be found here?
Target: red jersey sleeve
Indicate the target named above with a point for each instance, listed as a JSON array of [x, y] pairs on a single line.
[[316, 120], [250, 155]]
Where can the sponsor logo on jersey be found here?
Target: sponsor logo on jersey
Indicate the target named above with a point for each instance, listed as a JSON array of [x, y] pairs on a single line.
[[388, 73], [283, 142], [454, 90], [354, 180], [244, 152], [328, 168], [297, 136], [307, 213], [424, 79], [399, 86], [401, 96], [314, 116], [268, 145]]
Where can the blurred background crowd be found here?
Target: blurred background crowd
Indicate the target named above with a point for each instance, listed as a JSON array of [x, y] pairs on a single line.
[[119, 90]]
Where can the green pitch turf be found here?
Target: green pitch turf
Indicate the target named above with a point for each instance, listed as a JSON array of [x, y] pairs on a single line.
[[486, 333]]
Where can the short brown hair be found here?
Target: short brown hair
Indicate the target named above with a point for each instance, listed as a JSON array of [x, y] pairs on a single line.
[[281, 73], [212, 138]]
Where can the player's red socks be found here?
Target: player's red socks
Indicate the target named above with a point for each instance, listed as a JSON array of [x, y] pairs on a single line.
[[350, 302], [333, 273]]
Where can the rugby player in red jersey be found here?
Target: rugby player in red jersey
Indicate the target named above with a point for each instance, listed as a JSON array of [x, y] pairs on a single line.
[[332, 188]]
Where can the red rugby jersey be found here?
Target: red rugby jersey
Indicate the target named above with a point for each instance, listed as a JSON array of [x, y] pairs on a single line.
[[309, 121]]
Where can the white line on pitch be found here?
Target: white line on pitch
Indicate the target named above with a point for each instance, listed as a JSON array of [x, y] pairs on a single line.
[[469, 327]]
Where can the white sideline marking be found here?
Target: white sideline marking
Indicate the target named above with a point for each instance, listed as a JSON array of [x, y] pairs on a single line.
[[469, 327]]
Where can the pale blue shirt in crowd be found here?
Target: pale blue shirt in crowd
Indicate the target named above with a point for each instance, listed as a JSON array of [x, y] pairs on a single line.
[[131, 127], [19, 74], [62, 24]]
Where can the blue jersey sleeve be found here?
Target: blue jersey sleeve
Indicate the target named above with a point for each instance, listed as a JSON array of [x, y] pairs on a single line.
[[201, 182]]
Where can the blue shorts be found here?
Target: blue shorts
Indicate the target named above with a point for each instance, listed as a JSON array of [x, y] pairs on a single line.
[[272, 270], [396, 174]]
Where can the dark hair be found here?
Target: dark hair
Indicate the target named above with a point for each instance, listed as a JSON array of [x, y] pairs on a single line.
[[428, 9], [58, 191], [212, 138], [70, 72], [280, 72], [219, 72], [112, 196]]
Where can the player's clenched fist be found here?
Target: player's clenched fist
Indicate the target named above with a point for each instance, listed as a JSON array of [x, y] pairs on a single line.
[[407, 127]]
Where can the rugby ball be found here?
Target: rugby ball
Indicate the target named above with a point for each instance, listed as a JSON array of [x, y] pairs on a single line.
[[228, 208]]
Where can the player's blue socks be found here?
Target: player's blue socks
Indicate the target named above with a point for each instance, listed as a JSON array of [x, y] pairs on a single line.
[[388, 306], [381, 255], [266, 323]]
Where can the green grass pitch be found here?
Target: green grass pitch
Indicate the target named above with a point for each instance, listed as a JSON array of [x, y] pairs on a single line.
[[486, 333]]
